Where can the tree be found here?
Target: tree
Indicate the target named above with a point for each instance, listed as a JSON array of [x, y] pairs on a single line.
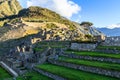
[[86, 24]]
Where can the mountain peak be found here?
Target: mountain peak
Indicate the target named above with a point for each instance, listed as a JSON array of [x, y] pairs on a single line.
[[9, 7]]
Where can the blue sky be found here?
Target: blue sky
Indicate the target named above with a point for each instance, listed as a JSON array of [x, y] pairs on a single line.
[[101, 12]]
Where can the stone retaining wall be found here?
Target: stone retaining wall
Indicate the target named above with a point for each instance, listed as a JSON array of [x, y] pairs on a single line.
[[88, 68], [112, 41], [12, 72], [108, 51], [83, 46], [106, 59], [53, 76]]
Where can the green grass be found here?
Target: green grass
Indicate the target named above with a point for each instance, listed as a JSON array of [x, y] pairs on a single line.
[[4, 74], [52, 44], [109, 47], [38, 49], [104, 65], [94, 54], [34, 76], [72, 74]]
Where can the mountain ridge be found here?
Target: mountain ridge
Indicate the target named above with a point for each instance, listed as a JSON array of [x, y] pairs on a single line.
[[52, 26], [110, 32], [9, 7]]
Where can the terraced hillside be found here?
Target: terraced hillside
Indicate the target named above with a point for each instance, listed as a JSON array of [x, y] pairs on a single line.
[[77, 69], [75, 65]]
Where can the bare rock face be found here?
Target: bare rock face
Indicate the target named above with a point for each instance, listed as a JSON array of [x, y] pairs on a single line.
[[9, 7]]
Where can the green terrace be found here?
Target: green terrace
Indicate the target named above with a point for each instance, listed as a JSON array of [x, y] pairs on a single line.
[[104, 65], [4, 74], [52, 44], [38, 49], [91, 53], [33, 76], [72, 74], [109, 47]]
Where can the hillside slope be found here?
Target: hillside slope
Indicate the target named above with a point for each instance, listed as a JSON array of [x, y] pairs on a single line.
[[50, 26], [9, 7]]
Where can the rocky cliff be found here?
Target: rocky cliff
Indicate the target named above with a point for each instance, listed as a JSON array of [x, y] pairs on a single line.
[[9, 7]]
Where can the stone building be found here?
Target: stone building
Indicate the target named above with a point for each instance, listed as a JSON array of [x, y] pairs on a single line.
[[112, 41]]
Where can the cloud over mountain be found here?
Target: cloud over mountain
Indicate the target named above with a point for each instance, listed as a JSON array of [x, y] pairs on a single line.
[[114, 26], [66, 8]]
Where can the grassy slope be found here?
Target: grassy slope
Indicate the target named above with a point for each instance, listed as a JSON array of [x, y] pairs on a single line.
[[57, 44], [4, 74], [104, 65], [38, 14], [97, 54], [34, 76], [109, 47], [72, 74]]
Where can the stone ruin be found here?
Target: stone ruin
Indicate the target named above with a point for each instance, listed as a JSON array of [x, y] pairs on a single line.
[[109, 41], [112, 41], [83, 46], [21, 58]]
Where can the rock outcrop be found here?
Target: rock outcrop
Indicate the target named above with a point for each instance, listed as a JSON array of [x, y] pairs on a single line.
[[9, 7]]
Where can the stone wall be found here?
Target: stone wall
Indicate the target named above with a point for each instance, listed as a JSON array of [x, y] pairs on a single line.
[[108, 51], [88, 68], [106, 59], [83, 46], [10, 70], [112, 41], [53, 76]]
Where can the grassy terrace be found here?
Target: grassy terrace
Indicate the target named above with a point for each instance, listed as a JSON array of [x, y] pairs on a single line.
[[33, 76], [38, 49], [4, 74], [104, 65], [109, 47], [52, 44], [72, 74], [94, 54]]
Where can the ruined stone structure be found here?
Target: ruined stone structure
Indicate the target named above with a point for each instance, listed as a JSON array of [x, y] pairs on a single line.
[[83, 46], [20, 58], [112, 41]]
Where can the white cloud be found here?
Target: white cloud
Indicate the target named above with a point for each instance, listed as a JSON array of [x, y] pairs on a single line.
[[78, 19], [66, 8], [114, 26]]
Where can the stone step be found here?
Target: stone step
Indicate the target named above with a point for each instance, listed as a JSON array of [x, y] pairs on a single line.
[[91, 69], [94, 58], [73, 74], [48, 74], [108, 51]]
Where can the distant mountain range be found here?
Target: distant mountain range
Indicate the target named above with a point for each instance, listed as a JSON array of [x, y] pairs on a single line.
[[110, 32]]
